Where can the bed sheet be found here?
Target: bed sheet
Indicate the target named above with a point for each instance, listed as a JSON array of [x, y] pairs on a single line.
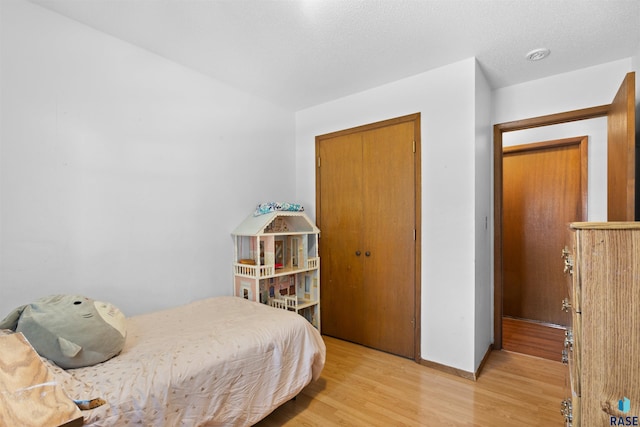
[[222, 361]]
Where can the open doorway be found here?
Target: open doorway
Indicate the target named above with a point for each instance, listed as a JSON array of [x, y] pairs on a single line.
[[544, 188], [621, 188]]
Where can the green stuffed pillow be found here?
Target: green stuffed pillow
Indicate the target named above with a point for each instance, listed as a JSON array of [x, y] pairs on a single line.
[[70, 330]]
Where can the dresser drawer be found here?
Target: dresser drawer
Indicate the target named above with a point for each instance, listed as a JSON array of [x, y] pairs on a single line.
[[569, 256], [570, 407], [572, 346], [570, 410]]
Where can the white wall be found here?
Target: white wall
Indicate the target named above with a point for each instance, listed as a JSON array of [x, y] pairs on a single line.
[[483, 218], [445, 98], [122, 174], [584, 88]]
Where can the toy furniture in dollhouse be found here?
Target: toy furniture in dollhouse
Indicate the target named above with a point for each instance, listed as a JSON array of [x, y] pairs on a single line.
[[276, 262]]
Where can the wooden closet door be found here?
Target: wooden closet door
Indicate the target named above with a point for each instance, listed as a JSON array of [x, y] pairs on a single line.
[[366, 214], [340, 208], [388, 236]]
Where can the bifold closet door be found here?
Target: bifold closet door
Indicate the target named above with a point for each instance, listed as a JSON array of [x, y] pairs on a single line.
[[367, 246], [388, 238], [341, 269]]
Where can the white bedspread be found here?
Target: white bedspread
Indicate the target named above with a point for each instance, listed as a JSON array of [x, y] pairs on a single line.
[[217, 362]]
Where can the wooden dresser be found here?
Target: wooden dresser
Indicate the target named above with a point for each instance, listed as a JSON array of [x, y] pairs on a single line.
[[602, 347]]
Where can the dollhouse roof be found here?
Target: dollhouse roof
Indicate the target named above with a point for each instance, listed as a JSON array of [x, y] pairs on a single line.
[[296, 222]]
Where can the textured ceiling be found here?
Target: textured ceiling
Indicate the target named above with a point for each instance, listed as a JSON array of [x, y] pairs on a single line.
[[299, 53]]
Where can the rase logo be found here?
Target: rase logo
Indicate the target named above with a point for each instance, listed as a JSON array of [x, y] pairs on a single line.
[[624, 406]]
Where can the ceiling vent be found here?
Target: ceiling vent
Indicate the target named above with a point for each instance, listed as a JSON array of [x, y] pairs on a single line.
[[538, 54]]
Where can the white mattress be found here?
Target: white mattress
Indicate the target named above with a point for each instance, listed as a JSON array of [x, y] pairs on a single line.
[[217, 362]]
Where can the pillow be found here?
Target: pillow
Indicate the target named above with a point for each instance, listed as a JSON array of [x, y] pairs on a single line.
[[70, 330]]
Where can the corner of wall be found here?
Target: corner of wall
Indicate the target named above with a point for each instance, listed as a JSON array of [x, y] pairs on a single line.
[[483, 321]]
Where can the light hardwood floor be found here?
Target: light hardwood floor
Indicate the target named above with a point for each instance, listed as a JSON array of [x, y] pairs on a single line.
[[364, 387]]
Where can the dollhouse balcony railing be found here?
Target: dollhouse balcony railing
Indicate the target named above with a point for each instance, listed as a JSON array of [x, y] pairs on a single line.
[[270, 270], [285, 303], [252, 270]]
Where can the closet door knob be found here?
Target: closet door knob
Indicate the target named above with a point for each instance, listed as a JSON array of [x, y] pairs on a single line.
[[367, 253], [357, 253]]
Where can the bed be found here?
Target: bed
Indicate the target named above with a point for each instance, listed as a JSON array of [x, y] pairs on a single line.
[[221, 361]]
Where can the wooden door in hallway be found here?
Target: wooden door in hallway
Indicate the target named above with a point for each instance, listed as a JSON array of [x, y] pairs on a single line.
[[544, 189], [366, 210]]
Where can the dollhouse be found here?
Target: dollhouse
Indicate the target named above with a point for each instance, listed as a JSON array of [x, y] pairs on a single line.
[[276, 262]]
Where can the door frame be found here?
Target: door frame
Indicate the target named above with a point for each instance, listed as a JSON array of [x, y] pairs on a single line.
[[418, 206], [498, 130]]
